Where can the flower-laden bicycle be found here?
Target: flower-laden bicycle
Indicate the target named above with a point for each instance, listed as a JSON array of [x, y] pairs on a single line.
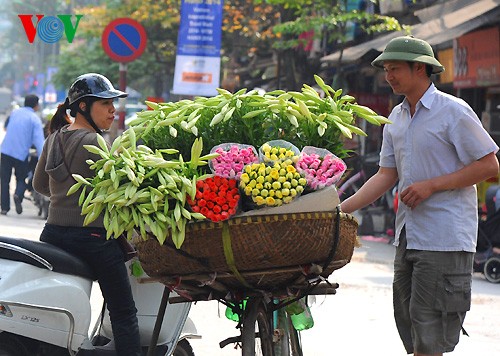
[[229, 222]]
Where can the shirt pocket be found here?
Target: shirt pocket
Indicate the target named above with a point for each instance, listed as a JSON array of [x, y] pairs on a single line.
[[454, 293]]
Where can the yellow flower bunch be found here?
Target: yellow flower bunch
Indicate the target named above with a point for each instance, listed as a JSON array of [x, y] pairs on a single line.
[[272, 185], [277, 153]]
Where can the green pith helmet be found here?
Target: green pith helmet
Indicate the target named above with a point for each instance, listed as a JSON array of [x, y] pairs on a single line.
[[409, 48]]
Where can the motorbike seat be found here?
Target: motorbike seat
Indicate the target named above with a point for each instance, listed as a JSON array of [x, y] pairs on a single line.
[[61, 261]]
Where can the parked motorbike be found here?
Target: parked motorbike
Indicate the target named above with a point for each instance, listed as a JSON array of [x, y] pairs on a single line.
[[45, 307]]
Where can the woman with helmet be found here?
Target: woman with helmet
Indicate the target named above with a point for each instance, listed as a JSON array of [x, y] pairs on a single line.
[[90, 102], [437, 150]]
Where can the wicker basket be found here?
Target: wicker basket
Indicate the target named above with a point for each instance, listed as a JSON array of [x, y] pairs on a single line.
[[254, 252]]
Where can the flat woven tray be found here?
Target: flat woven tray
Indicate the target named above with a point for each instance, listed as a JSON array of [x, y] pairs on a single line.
[[256, 251]]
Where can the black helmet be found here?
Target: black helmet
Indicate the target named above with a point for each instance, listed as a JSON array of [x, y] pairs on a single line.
[[93, 85]]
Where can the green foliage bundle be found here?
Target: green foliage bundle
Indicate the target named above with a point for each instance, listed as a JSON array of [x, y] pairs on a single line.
[[302, 118], [140, 189]]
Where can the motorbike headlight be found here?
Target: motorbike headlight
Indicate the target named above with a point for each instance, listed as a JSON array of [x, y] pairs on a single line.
[[4, 310]]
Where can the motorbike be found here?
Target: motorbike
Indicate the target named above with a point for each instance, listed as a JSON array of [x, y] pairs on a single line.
[[45, 307]]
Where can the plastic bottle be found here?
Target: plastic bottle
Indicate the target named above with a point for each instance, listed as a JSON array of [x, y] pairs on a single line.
[[304, 320], [295, 308], [232, 315]]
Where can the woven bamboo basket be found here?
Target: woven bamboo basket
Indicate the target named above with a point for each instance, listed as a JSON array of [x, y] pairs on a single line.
[[254, 251]]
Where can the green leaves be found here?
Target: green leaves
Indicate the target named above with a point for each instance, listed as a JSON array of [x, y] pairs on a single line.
[[303, 118], [137, 188], [329, 22], [144, 187]]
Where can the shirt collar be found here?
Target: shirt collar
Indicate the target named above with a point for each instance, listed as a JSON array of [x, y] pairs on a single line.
[[426, 99]]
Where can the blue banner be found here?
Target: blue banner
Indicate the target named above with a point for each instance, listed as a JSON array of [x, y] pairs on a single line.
[[197, 65], [200, 28]]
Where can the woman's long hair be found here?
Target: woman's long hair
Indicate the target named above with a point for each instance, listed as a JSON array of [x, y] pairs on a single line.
[[61, 117]]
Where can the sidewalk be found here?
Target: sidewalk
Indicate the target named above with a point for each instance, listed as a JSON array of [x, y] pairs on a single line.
[[27, 225], [374, 249]]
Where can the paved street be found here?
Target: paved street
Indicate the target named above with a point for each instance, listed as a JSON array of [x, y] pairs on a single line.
[[356, 321]]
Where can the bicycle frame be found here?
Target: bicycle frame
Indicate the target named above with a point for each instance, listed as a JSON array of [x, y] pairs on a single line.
[[287, 339], [266, 320]]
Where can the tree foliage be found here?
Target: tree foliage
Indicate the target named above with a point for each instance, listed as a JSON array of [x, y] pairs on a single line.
[[329, 19], [251, 30], [150, 72], [260, 28]]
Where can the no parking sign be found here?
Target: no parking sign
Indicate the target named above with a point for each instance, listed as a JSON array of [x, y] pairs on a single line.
[[124, 40]]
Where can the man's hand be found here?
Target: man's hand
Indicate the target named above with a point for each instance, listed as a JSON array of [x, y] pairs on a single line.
[[416, 193], [374, 188], [471, 174]]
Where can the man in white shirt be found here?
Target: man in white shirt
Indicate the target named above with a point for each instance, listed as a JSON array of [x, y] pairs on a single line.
[[438, 150]]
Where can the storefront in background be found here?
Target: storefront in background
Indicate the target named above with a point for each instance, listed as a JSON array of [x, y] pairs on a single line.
[[445, 57], [476, 77], [476, 74], [477, 59]]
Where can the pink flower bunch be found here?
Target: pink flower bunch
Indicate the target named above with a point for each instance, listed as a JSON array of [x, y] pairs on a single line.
[[232, 159], [320, 171]]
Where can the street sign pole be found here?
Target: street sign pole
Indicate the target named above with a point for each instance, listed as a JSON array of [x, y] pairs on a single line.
[[123, 87], [123, 40]]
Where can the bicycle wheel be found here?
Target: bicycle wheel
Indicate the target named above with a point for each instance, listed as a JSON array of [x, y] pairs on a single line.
[[256, 332], [288, 343], [492, 269]]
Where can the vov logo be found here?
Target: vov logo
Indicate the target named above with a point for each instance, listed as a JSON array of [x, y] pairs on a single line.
[[49, 28]]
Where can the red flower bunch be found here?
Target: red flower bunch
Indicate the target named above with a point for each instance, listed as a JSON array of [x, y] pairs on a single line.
[[216, 198]]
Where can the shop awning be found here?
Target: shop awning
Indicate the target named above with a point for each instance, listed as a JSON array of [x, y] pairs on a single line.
[[442, 8], [436, 31]]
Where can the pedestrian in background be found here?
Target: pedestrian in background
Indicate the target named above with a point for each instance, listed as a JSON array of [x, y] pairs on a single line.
[[438, 150], [23, 131], [90, 102]]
